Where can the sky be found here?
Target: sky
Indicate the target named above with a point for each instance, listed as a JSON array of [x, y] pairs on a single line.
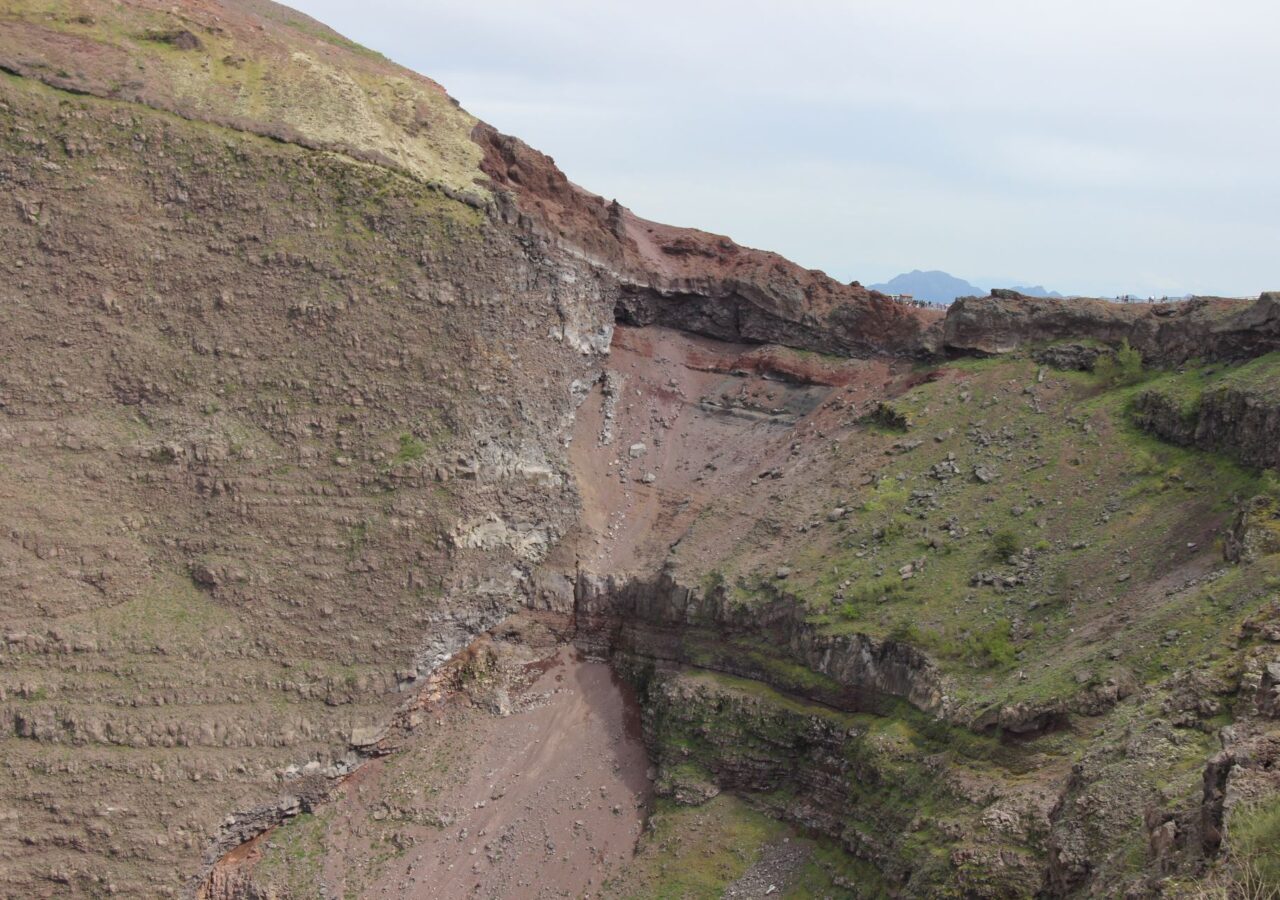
[[1125, 146]]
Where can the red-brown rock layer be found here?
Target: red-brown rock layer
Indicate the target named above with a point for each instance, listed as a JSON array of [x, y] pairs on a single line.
[[695, 281]]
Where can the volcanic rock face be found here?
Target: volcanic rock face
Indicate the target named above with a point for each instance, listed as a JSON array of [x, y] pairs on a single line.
[[1243, 423], [311, 381], [1204, 327], [1255, 532], [699, 282], [660, 619]]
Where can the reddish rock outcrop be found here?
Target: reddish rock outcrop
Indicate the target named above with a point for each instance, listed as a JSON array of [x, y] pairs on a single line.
[[695, 281], [708, 284]]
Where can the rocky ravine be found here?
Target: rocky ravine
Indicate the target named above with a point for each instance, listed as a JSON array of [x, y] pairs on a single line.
[[293, 413]]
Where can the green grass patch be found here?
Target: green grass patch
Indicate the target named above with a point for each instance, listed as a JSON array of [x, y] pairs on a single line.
[[411, 449], [169, 611], [693, 853], [293, 856], [1254, 835]]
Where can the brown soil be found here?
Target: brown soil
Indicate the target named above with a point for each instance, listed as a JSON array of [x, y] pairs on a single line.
[[543, 802], [713, 417]]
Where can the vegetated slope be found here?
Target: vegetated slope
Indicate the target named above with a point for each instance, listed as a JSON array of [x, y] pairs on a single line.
[[253, 66], [306, 386], [964, 619]]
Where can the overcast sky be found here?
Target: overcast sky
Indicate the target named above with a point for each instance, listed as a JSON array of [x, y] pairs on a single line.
[[1093, 146]]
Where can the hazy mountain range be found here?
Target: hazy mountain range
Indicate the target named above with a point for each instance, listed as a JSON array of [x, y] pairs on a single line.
[[942, 287]]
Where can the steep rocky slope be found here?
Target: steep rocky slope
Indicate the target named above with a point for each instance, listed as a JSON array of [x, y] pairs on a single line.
[[265, 455], [330, 414], [1233, 410]]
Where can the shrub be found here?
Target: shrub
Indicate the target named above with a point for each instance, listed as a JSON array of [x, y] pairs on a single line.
[[713, 583], [1005, 543], [1124, 367], [991, 648], [410, 449], [904, 631], [885, 416], [875, 590]]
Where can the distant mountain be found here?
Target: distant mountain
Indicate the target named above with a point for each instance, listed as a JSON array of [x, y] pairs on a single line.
[[1035, 291], [943, 287], [934, 286]]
